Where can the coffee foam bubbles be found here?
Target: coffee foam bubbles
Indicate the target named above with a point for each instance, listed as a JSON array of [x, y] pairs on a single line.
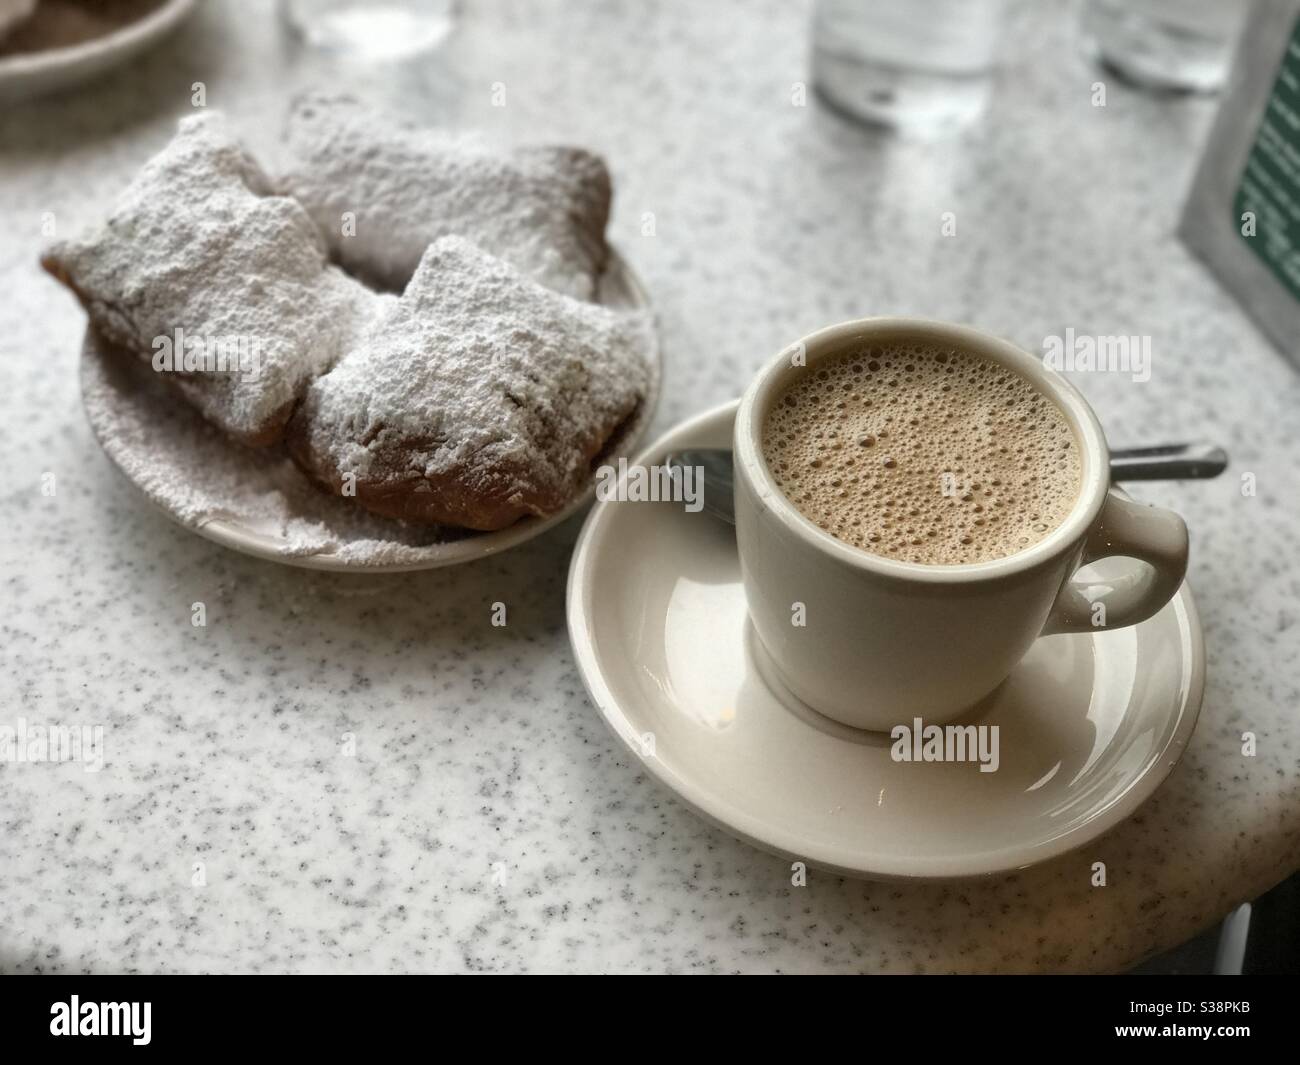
[[923, 454]]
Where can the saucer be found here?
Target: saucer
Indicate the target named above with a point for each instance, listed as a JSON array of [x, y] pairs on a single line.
[[64, 59], [1089, 724], [257, 502]]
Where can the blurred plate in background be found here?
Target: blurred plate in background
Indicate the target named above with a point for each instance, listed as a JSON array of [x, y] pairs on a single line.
[[64, 44]]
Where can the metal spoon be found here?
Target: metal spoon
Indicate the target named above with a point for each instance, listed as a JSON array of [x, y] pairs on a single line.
[[1166, 462]]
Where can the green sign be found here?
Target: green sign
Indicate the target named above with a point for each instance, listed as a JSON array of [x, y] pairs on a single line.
[[1267, 204]]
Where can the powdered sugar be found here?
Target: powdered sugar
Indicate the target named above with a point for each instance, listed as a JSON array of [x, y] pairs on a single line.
[[188, 468], [199, 242], [478, 382], [542, 209], [257, 500]]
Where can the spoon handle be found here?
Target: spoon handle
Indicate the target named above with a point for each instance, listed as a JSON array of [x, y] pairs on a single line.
[[1167, 462]]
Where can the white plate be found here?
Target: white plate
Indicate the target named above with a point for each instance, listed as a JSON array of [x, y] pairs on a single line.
[[259, 503], [31, 74], [1090, 724]]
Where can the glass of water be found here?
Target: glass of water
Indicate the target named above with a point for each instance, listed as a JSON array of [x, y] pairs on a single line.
[[906, 63], [371, 29], [1166, 44]]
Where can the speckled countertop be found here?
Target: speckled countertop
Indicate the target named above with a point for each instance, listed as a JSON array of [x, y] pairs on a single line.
[[487, 820]]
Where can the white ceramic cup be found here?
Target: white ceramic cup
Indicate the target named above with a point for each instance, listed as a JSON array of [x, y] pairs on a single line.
[[883, 641]]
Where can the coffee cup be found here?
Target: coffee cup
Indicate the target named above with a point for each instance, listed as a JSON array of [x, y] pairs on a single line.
[[872, 641]]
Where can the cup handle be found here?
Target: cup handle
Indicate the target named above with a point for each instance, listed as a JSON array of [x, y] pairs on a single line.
[[1149, 534]]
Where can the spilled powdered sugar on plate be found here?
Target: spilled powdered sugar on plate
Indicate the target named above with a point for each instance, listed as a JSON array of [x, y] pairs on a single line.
[[256, 501]]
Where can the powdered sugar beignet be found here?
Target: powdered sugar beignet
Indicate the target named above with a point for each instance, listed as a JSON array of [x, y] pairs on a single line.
[[382, 192], [479, 398], [199, 243]]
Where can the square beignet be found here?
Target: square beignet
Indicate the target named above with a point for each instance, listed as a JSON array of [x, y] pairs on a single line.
[[478, 398], [542, 209], [200, 254]]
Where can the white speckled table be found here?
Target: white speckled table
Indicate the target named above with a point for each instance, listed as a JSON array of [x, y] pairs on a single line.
[[487, 820]]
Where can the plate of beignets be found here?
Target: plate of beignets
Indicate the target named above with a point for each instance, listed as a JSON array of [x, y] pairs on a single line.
[[283, 393]]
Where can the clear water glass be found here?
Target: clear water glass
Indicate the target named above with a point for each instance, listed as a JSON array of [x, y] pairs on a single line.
[[907, 63], [370, 31], [1166, 44]]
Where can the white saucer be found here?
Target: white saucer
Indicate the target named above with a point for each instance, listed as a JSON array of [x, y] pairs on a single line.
[[1089, 724], [28, 74], [259, 503]]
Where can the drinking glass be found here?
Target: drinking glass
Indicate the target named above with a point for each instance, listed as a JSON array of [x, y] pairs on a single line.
[[906, 63], [1166, 44], [382, 30]]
